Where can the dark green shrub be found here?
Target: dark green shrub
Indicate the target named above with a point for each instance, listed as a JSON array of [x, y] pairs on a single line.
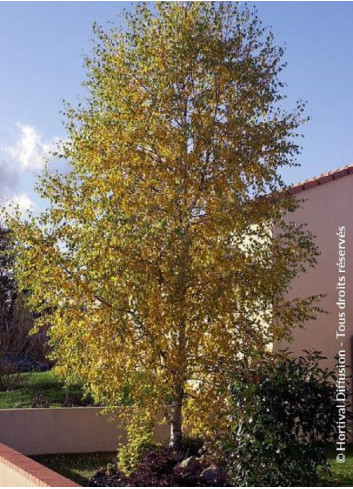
[[284, 416]]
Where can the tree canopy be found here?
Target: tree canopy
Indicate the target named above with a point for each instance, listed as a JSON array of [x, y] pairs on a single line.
[[155, 263]]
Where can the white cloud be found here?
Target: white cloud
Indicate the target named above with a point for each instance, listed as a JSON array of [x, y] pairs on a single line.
[[29, 151], [21, 201]]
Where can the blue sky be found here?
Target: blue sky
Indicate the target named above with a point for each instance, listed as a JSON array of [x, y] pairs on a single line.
[[41, 49]]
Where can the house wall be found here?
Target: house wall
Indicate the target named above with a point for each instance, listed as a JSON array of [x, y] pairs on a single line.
[[325, 209]]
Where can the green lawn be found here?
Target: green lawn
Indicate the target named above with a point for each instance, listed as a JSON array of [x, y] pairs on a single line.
[[342, 473], [43, 386], [78, 467]]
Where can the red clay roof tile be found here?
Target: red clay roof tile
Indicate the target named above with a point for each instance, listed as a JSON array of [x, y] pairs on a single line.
[[321, 179]]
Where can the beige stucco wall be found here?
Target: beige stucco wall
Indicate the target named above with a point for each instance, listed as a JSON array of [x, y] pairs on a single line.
[[62, 430], [327, 207], [10, 477]]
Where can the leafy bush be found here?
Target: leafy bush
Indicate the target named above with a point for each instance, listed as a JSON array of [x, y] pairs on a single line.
[[10, 376], [139, 438], [284, 416], [40, 401]]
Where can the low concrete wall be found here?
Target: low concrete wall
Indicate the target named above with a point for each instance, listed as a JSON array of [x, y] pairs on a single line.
[[17, 470], [62, 430]]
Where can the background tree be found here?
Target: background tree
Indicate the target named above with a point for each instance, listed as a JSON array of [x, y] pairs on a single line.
[[19, 350], [7, 282], [155, 260]]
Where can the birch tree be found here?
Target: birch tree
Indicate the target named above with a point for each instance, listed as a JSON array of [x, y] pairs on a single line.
[[155, 262]]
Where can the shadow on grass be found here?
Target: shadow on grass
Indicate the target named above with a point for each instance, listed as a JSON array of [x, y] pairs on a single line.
[[78, 467]]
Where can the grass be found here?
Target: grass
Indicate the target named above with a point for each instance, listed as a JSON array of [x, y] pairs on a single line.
[[79, 467], [43, 384], [342, 473]]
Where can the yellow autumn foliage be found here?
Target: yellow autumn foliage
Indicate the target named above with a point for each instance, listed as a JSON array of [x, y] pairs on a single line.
[[139, 264]]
